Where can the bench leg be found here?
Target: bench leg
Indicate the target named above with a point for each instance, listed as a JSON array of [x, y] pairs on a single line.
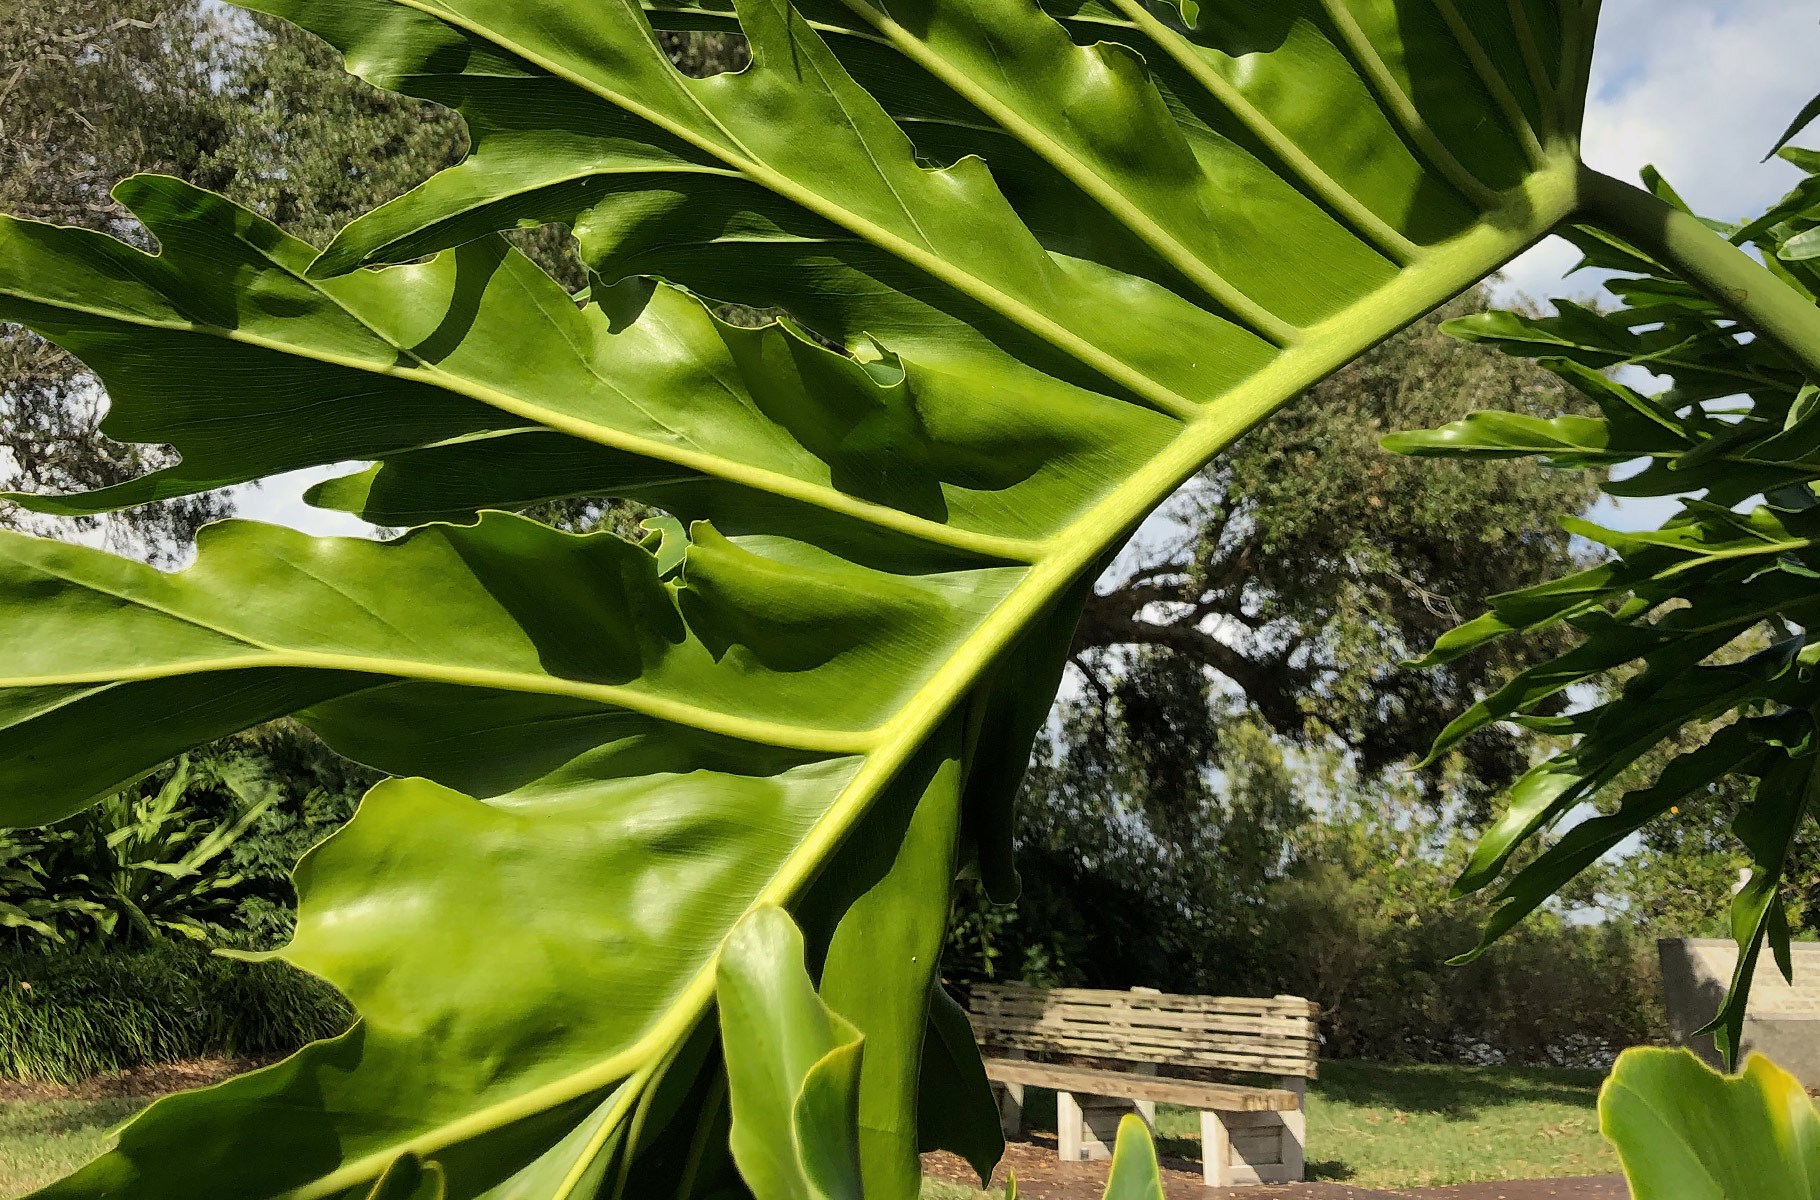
[[1216, 1151], [1010, 1108], [1146, 1108], [1011, 1103], [1069, 1126], [1295, 1128], [1087, 1127]]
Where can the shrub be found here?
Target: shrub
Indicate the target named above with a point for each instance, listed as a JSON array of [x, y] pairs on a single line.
[[1552, 993], [66, 1016]]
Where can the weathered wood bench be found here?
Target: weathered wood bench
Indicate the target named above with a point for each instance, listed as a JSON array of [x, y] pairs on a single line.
[[1248, 1134]]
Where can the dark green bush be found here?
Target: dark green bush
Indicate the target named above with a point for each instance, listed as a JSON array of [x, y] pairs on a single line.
[[66, 1016]]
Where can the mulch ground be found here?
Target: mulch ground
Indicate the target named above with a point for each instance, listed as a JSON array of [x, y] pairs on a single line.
[[141, 1081], [1041, 1176]]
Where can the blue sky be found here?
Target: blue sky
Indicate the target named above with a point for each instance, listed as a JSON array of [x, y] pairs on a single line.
[[1699, 88]]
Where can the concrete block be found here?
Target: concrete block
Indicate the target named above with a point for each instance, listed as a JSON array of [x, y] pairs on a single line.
[[1782, 1020]]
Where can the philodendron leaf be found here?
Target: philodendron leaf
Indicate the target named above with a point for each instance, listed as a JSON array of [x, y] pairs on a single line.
[[1685, 1132], [1135, 1172], [957, 1109], [1069, 254], [793, 1068]]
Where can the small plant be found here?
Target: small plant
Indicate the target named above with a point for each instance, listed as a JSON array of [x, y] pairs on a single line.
[[76, 1013]]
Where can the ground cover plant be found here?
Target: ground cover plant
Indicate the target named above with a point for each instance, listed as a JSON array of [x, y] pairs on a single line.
[[1039, 265], [67, 1015]]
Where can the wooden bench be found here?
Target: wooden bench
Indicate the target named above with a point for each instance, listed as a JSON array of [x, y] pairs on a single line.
[[1248, 1134]]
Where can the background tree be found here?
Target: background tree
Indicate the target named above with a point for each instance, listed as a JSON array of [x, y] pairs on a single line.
[[1306, 563], [1232, 774]]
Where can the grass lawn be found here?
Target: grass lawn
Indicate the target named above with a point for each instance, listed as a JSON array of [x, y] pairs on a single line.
[[1420, 1126], [1417, 1126], [43, 1139], [1368, 1125]]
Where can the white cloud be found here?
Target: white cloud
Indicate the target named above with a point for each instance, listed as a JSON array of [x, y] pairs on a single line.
[[1700, 89]]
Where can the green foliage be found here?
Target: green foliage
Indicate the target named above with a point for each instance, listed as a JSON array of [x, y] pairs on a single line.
[[1136, 868], [312, 793], [1708, 619], [145, 864], [67, 1016], [1685, 1132], [202, 849], [815, 683], [1363, 924]]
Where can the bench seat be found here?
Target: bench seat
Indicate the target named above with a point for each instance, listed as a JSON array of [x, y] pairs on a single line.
[[1189, 1093]]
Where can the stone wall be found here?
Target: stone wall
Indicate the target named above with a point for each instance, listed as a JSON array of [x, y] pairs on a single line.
[[1783, 1019]]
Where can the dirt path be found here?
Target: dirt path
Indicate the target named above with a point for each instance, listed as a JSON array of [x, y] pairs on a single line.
[[1041, 1176]]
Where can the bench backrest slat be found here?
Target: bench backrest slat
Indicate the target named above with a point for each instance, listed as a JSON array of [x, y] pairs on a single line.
[[1273, 1036]]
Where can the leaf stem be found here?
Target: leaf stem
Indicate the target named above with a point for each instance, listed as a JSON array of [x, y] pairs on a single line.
[[1768, 306]]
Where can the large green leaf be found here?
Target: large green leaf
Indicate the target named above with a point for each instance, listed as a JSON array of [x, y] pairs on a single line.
[[1067, 255], [1685, 1132]]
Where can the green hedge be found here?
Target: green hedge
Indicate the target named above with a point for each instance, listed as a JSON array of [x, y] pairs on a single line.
[[67, 1016]]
